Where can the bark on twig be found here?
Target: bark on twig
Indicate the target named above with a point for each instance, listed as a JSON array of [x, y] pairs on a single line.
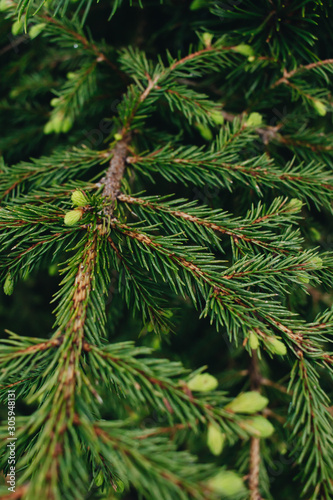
[[254, 469], [256, 380], [112, 179]]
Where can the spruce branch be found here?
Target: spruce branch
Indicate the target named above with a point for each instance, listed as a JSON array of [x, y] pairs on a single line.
[[255, 458], [234, 115], [154, 209], [115, 172]]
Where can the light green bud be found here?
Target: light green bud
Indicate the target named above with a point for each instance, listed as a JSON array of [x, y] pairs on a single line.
[[36, 30], [17, 27], [303, 279], [276, 346], [72, 217], [215, 439], [315, 234], [199, 4], [66, 125], [79, 199], [48, 127], [14, 93], [227, 483], [253, 341], [203, 382], [57, 120], [294, 205], [319, 107], [254, 120], [54, 102], [119, 485], [258, 426], [4, 5], [99, 479], [244, 49], [205, 131], [118, 137], [207, 39], [53, 270], [8, 286], [251, 58], [156, 343], [217, 117], [248, 402], [71, 75], [315, 263]]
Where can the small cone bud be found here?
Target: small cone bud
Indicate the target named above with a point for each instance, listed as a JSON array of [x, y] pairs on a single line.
[[79, 199], [215, 439], [205, 131], [315, 234], [66, 124], [8, 286], [203, 382], [48, 128], [17, 27], [248, 402], [198, 4], [244, 49], [119, 486], [118, 137], [57, 120], [54, 102], [72, 217], [36, 30], [319, 107], [4, 5], [276, 346], [99, 479], [227, 483], [217, 117], [207, 39], [294, 205], [254, 120], [253, 341], [315, 263], [257, 426]]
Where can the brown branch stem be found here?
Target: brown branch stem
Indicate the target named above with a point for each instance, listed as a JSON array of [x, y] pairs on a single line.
[[254, 470]]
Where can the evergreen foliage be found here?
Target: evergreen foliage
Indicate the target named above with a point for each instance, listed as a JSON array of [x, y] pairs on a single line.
[[171, 163]]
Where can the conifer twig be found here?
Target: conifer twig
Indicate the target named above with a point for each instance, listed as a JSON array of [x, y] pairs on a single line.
[[255, 377], [115, 172]]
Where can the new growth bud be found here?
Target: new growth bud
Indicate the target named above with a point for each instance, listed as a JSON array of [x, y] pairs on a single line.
[[217, 117], [294, 205], [244, 49], [248, 402], [276, 346], [36, 30], [203, 382], [258, 426], [8, 286], [253, 341], [319, 107], [79, 199], [72, 217], [227, 483], [215, 439]]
